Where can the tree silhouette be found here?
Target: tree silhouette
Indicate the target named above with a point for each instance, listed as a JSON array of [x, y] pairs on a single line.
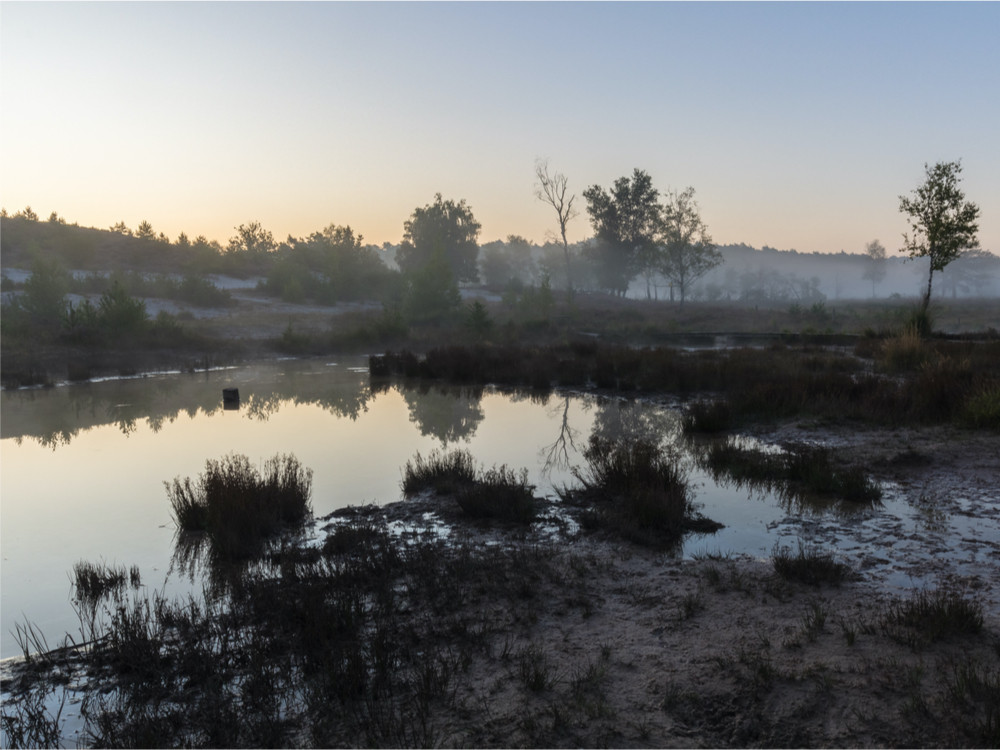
[[942, 222]]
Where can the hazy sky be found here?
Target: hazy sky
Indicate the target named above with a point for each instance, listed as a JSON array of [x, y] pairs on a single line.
[[798, 125]]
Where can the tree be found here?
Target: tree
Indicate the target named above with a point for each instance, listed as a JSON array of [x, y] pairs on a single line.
[[625, 222], [688, 252], [251, 239], [446, 227], [27, 213], [44, 298], [875, 266], [942, 222], [121, 228], [145, 231], [551, 189]]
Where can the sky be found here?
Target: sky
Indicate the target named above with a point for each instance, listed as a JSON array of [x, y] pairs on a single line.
[[799, 125]]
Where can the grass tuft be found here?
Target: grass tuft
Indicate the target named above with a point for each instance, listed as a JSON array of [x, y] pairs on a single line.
[[809, 566], [932, 616], [501, 494], [239, 506], [444, 473]]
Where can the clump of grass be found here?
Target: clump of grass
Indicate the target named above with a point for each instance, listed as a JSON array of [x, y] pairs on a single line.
[[975, 688], [904, 352], [239, 506], [982, 408], [932, 616], [637, 491], [500, 493], [94, 581], [808, 566], [441, 472]]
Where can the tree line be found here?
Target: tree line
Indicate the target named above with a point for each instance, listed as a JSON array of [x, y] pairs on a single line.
[[639, 233]]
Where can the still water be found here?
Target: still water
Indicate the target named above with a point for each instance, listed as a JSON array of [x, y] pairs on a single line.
[[83, 466]]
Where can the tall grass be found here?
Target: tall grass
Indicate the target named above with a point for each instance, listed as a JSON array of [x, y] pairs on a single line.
[[441, 472], [239, 506], [500, 493], [637, 491]]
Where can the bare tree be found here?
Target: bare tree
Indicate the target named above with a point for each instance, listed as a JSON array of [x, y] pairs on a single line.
[[551, 189]]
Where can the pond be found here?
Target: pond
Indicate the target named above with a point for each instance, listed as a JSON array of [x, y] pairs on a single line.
[[84, 465]]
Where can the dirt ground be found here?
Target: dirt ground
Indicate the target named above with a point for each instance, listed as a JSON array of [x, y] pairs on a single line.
[[626, 647]]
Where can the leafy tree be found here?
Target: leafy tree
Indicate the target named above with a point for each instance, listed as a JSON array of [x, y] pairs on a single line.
[[551, 189], [505, 263], [121, 228], [942, 222], [27, 213], [432, 291], [55, 218], [251, 239], [688, 252], [875, 265], [443, 226], [625, 222]]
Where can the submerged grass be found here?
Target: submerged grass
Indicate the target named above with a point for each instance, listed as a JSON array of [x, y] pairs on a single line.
[[802, 470]]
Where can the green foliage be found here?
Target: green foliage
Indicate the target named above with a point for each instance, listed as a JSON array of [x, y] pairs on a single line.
[[687, 252], [446, 228], [942, 222], [44, 298], [478, 320], [625, 222], [432, 292], [120, 314]]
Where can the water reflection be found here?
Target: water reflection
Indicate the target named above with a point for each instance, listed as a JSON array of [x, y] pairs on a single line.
[[449, 413]]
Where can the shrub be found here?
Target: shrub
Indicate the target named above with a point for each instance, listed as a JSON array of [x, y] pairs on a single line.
[[239, 506]]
